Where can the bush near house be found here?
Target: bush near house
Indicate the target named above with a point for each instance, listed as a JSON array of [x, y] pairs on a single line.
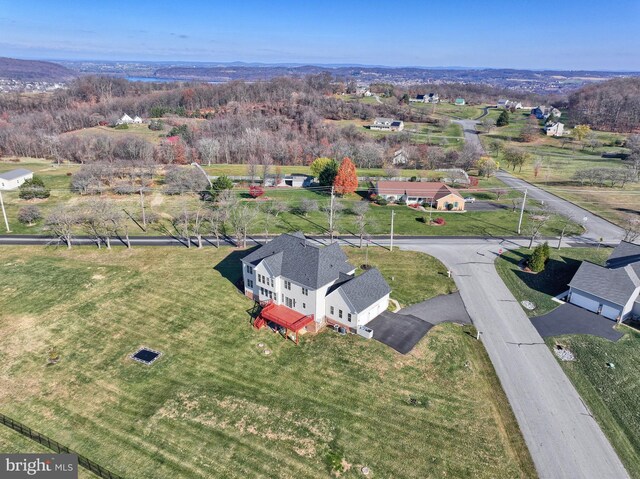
[[439, 221], [34, 189]]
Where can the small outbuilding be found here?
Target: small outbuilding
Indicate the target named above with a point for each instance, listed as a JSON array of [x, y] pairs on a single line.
[[11, 180]]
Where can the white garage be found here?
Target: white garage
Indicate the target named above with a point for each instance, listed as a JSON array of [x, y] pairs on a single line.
[[610, 312], [584, 302], [11, 180]]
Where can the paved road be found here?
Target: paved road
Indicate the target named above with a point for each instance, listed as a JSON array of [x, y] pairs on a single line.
[[596, 226], [563, 438]]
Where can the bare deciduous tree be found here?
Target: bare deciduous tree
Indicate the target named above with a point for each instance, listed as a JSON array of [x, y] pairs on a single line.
[[62, 221], [241, 216]]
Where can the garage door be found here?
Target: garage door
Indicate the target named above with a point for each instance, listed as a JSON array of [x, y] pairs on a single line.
[[609, 312], [585, 303]]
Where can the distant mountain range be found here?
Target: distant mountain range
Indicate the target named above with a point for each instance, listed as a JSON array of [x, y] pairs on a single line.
[[34, 70]]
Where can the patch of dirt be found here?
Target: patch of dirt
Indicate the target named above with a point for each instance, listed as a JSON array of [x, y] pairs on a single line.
[[97, 277]]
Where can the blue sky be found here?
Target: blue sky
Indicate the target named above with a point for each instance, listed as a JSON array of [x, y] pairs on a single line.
[[564, 34]]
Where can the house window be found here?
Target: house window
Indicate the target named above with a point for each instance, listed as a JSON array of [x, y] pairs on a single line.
[[262, 291], [332, 311], [304, 305], [287, 285], [272, 282], [349, 317], [249, 269], [340, 313], [249, 283], [305, 291], [270, 295]]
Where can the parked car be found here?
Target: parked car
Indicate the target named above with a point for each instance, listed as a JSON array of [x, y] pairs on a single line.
[[469, 199]]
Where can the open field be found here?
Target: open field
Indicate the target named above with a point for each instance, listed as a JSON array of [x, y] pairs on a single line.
[[501, 222], [141, 131], [213, 405], [541, 287], [611, 394], [449, 110], [560, 159]]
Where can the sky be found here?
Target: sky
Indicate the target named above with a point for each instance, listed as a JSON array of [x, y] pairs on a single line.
[[560, 34]]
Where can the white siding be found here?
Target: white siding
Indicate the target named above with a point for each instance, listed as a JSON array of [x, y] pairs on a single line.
[[584, 302], [340, 302], [14, 183], [609, 312]]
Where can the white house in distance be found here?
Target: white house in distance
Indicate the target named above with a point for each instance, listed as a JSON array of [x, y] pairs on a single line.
[[303, 286], [554, 129], [11, 180], [387, 124], [612, 290], [127, 120], [508, 104], [438, 194]]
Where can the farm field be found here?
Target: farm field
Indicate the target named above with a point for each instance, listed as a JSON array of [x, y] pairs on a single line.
[[213, 405], [141, 131], [560, 159], [610, 394], [499, 222]]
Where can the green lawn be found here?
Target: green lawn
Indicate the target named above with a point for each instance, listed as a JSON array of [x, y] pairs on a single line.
[[140, 131], [611, 394], [213, 405], [541, 287]]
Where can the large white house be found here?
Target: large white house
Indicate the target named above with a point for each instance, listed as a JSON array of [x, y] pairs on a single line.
[[387, 124], [612, 290], [302, 285], [11, 180]]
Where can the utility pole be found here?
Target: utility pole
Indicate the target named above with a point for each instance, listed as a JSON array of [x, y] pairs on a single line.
[[144, 217], [393, 213], [524, 200], [4, 213], [331, 216]]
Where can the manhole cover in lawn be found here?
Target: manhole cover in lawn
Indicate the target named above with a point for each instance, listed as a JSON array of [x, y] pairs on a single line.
[[529, 305]]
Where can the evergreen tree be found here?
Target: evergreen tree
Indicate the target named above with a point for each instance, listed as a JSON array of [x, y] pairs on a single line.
[[546, 253], [536, 260], [34, 188], [328, 174], [503, 119], [347, 179]]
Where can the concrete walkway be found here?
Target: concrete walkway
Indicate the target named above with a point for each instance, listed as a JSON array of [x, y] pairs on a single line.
[[563, 438]]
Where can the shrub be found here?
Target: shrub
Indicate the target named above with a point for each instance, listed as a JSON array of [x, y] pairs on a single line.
[[546, 253], [536, 260], [122, 126], [423, 219], [373, 197], [34, 188], [29, 215], [382, 202], [256, 191], [440, 221], [156, 125]]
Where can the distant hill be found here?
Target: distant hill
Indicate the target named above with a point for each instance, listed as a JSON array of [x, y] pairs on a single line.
[[34, 70]]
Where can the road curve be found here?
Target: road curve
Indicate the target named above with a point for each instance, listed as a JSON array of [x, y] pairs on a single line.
[[596, 227], [563, 438]]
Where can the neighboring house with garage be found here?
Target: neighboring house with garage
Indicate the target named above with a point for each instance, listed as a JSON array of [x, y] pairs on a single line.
[[387, 124], [437, 194], [612, 290], [554, 129], [303, 286], [11, 180]]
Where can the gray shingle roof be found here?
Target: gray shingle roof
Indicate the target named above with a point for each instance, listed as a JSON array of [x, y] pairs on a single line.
[[623, 254], [364, 290], [294, 257], [13, 174], [612, 284]]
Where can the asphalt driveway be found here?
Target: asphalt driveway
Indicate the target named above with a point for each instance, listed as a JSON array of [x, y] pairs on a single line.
[[399, 331], [570, 319], [484, 206], [404, 329]]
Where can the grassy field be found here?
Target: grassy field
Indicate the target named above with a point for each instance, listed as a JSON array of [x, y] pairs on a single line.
[[141, 131], [611, 394], [541, 287], [213, 405], [560, 159], [449, 110], [493, 223]]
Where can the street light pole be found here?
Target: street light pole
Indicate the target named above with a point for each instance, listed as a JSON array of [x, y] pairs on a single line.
[[393, 213], [331, 216], [524, 200], [4, 213]]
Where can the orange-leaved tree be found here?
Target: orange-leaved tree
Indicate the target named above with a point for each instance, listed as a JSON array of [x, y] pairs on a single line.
[[347, 179]]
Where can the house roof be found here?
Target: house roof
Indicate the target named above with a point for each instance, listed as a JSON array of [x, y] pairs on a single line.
[[623, 254], [422, 189], [17, 173], [396, 123], [419, 97], [612, 284], [294, 257], [382, 120], [364, 290]]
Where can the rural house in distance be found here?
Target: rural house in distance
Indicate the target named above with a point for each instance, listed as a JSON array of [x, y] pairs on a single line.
[[443, 197], [11, 180], [387, 124], [303, 286]]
